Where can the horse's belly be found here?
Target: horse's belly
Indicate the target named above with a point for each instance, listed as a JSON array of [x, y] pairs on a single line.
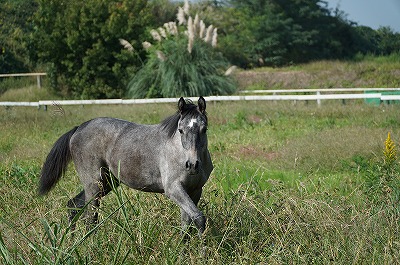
[[141, 179]]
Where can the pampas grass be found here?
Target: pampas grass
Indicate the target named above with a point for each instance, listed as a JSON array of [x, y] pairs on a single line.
[[183, 61]]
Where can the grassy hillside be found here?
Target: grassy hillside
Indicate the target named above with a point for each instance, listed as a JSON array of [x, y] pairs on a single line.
[[366, 72]]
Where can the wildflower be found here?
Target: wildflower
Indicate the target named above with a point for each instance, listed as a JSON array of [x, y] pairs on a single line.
[[389, 152]]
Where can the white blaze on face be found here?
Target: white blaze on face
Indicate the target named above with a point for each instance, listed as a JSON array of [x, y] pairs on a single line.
[[192, 122]]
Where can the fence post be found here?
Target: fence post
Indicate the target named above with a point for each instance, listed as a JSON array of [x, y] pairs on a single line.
[[39, 81], [318, 99]]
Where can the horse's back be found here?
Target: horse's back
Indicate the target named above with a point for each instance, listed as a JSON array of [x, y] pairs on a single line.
[[99, 132], [93, 141], [121, 146]]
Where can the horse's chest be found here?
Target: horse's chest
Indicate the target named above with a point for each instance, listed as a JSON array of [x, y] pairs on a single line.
[[192, 182]]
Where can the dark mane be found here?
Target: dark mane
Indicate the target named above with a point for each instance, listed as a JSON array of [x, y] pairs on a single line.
[[170, 124]]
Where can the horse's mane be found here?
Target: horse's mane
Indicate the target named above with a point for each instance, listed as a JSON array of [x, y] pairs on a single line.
[[170, 124]]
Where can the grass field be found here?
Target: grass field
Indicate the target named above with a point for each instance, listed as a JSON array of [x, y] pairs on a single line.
[[292, 184]]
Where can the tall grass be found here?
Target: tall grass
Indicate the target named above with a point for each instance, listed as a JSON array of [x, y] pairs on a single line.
[[7, 83]]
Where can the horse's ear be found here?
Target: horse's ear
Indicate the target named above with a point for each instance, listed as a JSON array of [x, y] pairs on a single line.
[[202, 105], [181, 104]]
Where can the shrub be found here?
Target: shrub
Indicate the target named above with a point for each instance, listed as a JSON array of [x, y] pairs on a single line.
[[182, 63]]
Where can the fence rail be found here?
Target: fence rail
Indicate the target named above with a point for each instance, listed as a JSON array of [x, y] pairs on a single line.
[[38, 76], [316, 90], [313, 97]]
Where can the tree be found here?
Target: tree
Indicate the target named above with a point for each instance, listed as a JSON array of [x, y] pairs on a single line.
[[80, 41], [278, 32], [389, 41], [16, 27]]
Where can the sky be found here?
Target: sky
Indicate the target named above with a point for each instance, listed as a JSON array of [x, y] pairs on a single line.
[[371, 13]]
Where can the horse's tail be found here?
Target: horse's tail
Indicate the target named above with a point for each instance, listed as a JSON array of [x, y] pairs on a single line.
[[56, 163]]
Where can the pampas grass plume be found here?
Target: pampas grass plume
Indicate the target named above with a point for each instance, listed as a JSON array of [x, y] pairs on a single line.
[[190, 30], [146, 45], [230, 70], [181, 16], [126, 45], [214, 38], [196, 24], [156, 36], [186, 7], [161, 56], [202, 29], [208, 36], [163, 33]]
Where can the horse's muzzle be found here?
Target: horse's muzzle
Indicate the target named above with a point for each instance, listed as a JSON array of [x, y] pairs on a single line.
[[192, 168]]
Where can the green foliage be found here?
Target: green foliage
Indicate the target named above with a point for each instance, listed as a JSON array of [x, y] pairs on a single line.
[[163, 11], [16, 27], [80, 40], [276, 33]]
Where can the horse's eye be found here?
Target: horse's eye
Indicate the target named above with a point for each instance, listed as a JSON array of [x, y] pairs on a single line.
[[204, 130], [180, 131]]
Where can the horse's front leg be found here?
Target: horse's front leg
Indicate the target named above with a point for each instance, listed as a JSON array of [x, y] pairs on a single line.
[[186, 219], [189, 210]]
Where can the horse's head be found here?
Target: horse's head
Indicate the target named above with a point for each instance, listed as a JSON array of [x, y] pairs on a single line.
[[192, 128]]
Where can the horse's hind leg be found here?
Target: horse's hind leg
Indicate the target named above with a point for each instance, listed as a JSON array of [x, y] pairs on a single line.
[[94, 191], [75, 205]]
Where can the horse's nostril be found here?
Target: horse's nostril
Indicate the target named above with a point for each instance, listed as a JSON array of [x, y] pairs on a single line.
[[192, 167]]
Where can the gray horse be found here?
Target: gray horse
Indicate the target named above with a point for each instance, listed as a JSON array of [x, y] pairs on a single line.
[[170, 158]]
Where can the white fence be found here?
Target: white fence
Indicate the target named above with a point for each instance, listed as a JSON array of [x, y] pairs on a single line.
[[38, 77], [277, 95]]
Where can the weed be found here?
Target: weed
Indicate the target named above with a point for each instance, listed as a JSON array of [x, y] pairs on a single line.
[[383, 178]]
